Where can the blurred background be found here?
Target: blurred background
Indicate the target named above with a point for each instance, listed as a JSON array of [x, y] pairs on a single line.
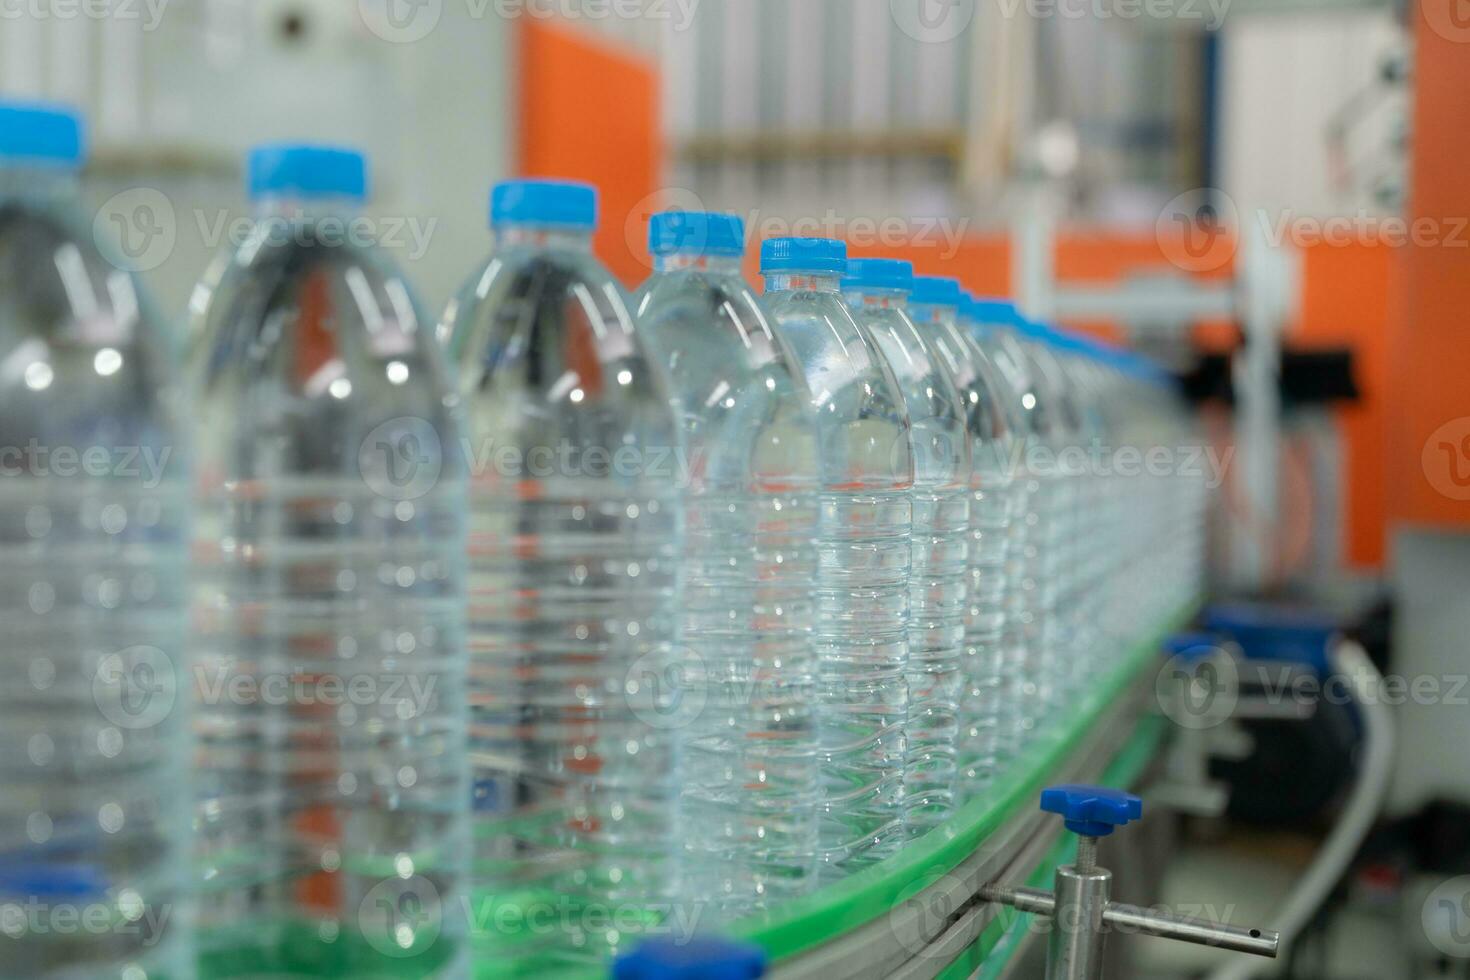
[[1267, 195]]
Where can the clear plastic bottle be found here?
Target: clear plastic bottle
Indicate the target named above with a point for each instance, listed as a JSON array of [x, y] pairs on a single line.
[[876, 291], [328, 597], [575, 537], [94, 799], [1087, 553], [748, 768], [1057, 466], [1161, 510], [993, 431], [993, 324], [861, 585]]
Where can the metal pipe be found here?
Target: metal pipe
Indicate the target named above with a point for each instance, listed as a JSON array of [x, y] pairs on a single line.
[[1131, 918], [1074, 950], [1033, 900]]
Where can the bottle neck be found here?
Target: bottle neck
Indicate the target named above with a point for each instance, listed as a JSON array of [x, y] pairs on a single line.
[[876, 299], [543, 236], [808, 282], [295, 208], [722, 265], [933, 313], [29, 180]]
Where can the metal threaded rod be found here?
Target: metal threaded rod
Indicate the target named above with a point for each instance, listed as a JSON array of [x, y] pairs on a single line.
[[1086, 855]]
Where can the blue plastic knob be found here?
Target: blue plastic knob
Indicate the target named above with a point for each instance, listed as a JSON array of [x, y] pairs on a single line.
[[701, 958], [1092, 811]]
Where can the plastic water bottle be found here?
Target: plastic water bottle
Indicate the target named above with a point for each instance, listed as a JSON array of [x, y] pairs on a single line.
[[575, 499], [1087, 553], [1055, 492], [862, 580], [1161, 513], [328, 598], [876, 291], [993, 325], [94, 801], [992, 430], [748, 771]]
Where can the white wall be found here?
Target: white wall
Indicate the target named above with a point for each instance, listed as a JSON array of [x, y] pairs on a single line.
[[1431, 580], [1284, 78], [174, 100]]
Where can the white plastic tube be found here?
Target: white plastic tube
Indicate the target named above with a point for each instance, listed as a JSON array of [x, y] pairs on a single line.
[[1332, 861]]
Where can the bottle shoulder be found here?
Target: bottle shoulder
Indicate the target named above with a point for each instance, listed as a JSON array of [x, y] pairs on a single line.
[[928, 388], [285, 324], [551, 323], [60, 289], [742, 403], [89, 357], [716, 340], [863, 423], [846, 374]]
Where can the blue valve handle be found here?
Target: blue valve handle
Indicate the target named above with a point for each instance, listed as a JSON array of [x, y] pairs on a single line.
[[1092, 811]]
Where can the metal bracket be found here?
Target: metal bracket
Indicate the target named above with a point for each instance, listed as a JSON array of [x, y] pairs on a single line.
[[1080, 903]]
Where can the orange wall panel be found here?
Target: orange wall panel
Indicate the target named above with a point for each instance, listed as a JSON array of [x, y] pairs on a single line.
[[587, 110], [1345, 303], [1429, 380]]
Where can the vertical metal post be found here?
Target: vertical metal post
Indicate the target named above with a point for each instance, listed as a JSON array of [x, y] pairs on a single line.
[[1075, 948]]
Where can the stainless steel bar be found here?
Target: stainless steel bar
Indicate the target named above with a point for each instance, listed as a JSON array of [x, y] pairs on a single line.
[[1202, 932], [1032, 900]]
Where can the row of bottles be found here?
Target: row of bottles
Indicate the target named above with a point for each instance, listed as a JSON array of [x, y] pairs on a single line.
[[487, 650]]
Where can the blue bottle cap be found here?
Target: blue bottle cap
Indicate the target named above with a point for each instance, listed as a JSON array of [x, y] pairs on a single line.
[[37, 134], [1034, 330], [936, 291], [304, 170], [821, 255], [555, 203], [1067, 342], [700, 958], [991, 311], [50, 880], [879, 274], [696, 232]]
